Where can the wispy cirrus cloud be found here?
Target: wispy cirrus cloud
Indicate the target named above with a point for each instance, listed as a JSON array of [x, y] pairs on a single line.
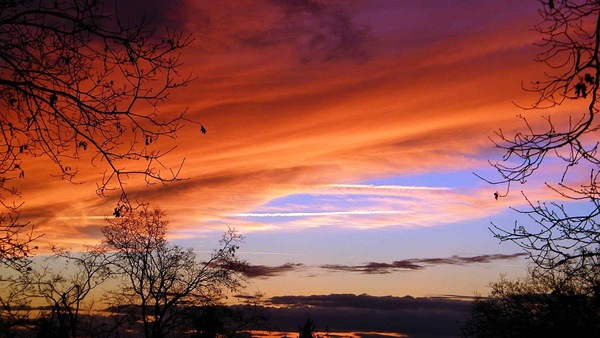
[[370, 206], [324, 213], [361, 187]]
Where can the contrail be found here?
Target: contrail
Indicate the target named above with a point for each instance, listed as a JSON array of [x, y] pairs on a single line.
[[257, 253], [393, 187], [325, 213], [82, 217]]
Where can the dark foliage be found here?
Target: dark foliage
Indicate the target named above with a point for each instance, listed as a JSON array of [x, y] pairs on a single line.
[[546, 304], [308, 329]]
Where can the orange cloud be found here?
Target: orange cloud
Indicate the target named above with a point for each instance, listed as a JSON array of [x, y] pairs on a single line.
[[285, 115]]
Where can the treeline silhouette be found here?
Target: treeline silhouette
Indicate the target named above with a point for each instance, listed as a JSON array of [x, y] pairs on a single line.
[[547, 303], [133, 283]]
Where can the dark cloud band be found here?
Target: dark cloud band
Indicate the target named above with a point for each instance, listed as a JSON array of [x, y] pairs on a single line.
[[263, 271], [418, 263]]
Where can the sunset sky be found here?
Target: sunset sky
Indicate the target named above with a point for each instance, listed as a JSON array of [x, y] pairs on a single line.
[[341, 142]]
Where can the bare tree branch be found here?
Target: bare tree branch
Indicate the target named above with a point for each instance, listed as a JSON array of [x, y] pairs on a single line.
[[560, 232], [77, 83]]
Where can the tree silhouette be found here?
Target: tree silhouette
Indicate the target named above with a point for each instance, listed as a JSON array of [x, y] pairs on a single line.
[[15, 307], [78, 84], [217, 320], [62, 283], [161, 280], [208, 322], [565, 231], [548, 303], [307, 330]]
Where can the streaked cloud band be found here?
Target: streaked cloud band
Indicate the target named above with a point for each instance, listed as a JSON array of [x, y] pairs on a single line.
[[384, 187], [322, 213]]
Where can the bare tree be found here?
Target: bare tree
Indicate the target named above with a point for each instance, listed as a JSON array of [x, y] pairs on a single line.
[[15, 308], [63, 282], [564, 231], [77, 82], [161, 281]]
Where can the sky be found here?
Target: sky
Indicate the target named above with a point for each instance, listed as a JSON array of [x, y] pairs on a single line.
[[342, 140]]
